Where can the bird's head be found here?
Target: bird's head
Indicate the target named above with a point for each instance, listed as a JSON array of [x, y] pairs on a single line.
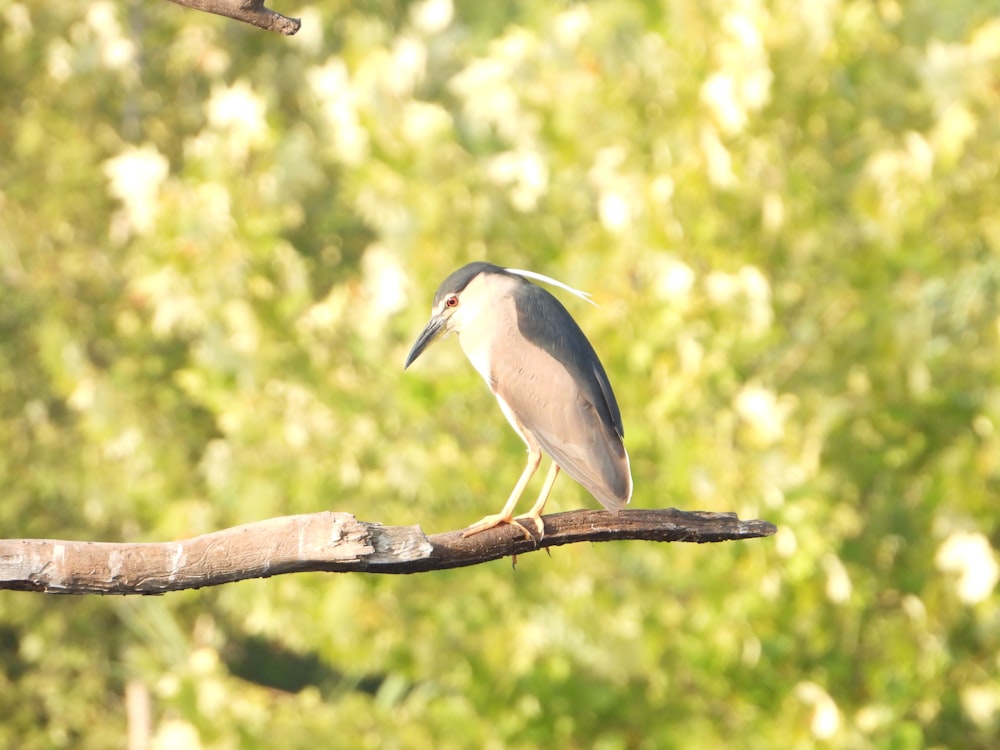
[[462, 296], [470, 293]]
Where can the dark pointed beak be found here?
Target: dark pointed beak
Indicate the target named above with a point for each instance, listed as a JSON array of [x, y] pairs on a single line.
[[434, 330]]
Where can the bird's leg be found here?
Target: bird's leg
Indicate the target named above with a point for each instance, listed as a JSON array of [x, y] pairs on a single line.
[[506, 515], [535, 514]]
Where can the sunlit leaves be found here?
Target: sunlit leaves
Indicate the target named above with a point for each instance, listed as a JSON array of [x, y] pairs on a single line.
[[217, 247]]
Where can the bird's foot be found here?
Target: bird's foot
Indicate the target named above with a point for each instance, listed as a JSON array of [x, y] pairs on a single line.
[[535, 518], [492, 521]]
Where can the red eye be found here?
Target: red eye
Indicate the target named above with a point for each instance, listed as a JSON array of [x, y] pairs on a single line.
[[452, 301]]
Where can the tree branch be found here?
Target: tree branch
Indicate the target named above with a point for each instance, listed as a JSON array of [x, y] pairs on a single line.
[[335, 542], [248, 11]]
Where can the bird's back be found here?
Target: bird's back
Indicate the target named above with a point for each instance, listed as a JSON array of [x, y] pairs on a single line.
[[554, 382]]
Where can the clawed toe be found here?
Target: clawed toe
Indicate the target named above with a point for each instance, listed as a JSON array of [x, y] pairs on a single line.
[[491, 522]]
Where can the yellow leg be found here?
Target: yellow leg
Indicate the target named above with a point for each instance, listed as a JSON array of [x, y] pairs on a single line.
[[507, 514], [535, 514]]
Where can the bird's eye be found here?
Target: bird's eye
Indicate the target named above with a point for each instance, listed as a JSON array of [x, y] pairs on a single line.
[[452, 301]]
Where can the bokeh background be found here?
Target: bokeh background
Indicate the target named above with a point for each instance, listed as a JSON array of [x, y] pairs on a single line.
[[217, 244]]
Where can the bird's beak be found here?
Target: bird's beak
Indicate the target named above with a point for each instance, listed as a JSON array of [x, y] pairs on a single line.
[[435, 329]]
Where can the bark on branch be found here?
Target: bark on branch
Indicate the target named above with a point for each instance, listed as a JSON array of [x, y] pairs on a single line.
[[328, 541], [248, 11]]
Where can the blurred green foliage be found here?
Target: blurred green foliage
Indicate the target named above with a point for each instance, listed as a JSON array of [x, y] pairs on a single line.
[[216, 246]]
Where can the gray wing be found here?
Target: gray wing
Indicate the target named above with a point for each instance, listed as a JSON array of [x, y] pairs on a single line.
[[562, 398], [544, 321]]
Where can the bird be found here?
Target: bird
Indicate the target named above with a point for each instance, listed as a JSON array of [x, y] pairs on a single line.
[[546, 376]]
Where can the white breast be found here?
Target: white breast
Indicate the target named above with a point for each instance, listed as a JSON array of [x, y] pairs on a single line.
[[485, 318]]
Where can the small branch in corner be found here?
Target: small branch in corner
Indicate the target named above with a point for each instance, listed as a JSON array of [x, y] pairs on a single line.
[[252, 12]]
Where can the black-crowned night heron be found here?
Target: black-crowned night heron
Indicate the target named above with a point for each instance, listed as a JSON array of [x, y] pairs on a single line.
[[550, 384]]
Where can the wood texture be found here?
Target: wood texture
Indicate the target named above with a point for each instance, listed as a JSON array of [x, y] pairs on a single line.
[[328, 541]]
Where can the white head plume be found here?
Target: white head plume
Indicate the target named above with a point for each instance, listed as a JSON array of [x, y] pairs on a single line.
[[585, 296]]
